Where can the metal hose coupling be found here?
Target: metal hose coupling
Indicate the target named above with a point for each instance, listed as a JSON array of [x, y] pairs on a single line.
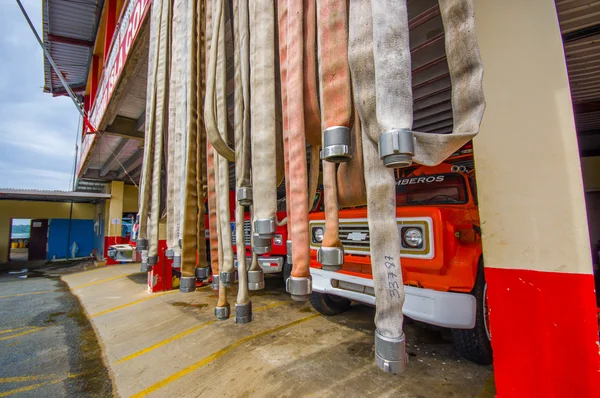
[[264, 231], [336, 144], [227, 278], [397, 148], [331, 258], [152, 260], [187, 284], [202, 274], [176, 261], [256, 280], [145, 267], [288, 246], [243, 313], [222, 313], [214, 286], [244, 196], [390, 353], [169, 253], [141, 244], [299, 288]]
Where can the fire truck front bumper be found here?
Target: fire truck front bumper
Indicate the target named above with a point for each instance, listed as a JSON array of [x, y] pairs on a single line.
[[269, 264], [445, 309]]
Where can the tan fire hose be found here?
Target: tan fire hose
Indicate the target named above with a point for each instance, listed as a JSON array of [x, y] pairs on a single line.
[[336, 107], [264, 129], [243, 305]]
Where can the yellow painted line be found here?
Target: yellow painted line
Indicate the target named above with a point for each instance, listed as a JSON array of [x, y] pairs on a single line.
[[120, 307], [185, 333], [21, 379], [27, 294], [35, 329], [103, 280], [489, 389], [218, 354], [14, 330], [35, 386]]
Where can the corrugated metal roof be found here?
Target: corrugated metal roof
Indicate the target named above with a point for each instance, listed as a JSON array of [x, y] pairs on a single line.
[[63, 20], [52, 196]]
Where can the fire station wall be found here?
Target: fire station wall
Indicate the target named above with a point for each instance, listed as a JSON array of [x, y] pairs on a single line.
[[130, 199], [27, 209]]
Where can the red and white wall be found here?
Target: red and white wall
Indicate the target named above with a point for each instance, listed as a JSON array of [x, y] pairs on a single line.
[[543, 317]]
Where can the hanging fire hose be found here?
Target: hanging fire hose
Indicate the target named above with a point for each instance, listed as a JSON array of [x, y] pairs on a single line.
[[370, 39], [336, 105], [380, 62]]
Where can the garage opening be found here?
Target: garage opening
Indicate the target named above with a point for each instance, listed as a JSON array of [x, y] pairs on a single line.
[[20, 232]]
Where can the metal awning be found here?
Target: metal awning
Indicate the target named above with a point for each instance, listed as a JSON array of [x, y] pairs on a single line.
[[52, 196], [580, 28], [69, 33]]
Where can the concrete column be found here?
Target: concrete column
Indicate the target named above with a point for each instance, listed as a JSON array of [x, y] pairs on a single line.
[[535, 236], [115, 208]]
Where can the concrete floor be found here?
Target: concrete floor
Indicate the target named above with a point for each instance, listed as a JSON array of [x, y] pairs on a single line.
[[47, 345], [170, 344]]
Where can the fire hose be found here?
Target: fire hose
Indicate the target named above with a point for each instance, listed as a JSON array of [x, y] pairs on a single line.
[[336, 106], [243, 305], [380, 62]]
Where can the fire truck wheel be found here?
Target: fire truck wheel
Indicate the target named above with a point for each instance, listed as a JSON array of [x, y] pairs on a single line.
[[328, 304], [474, 344], [287, 271]]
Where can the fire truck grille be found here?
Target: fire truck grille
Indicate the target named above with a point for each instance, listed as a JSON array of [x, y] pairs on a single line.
[[355, 236], [247, 228]]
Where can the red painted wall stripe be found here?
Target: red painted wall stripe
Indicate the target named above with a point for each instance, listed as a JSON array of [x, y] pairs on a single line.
[[544, 328]]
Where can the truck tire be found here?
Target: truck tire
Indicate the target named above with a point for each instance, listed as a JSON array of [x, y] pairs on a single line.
[[328, 304], [474, 344], [287, 270]]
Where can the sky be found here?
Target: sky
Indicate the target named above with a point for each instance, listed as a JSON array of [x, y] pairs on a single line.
[[37, 131]]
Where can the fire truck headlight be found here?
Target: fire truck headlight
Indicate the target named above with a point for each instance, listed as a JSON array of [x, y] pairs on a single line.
[[278, 240], [317, 234], [413, 237]]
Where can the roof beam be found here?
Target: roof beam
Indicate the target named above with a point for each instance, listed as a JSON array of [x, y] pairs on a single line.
[[132, 163], [124, 127], [70, 40], [588, 132], [76, 88], [581, 33], [113, 159]]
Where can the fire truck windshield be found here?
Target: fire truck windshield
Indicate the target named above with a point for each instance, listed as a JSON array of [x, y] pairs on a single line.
[[431, 189]]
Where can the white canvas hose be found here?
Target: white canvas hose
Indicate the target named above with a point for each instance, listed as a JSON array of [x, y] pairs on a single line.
[[263, 120], [146, 179], [336, 109], [226, 262], [382, 88], [243, 305], [381, 198], [160, 125]]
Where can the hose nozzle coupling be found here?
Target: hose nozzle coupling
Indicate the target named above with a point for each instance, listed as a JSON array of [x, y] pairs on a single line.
[[390, 353], [187, 284], [222, 313], [336, 144], [145, 267], [397, 148], [244, 196], [203, 273], [152, 260], [288, 246], [227, 278], [169, 253], [141, 244], [176, 261], [299, 288], [331, 258], [256, 280], [214, 286], [264, 231], [243, 313]]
